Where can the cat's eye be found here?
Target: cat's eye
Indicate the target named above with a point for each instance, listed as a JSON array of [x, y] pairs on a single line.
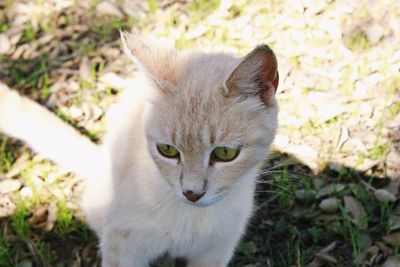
[[168, 151], [224, 153]]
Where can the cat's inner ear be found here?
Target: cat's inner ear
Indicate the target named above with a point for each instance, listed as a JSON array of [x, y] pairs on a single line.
[[156, 60], [257, 74]]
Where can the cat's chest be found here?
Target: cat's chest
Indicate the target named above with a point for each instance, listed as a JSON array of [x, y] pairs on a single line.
[[194, 229], [187, 222]]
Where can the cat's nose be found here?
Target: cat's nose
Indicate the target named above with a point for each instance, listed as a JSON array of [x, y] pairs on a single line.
[[192, 196]]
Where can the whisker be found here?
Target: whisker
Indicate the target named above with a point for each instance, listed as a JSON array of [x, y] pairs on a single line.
[[267, 202], [279, 186], [284, 193], [282, 164], [295, 180]]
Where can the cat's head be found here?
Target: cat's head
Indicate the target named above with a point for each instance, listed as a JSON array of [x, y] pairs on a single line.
[[213, 118]]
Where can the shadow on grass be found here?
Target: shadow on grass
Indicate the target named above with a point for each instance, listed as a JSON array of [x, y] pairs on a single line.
[[290, 229], [287, 229]]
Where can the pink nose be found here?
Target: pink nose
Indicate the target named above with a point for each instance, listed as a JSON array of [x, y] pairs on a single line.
[[191, 196]]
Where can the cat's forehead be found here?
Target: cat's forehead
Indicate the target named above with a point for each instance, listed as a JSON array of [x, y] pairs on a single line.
[[200, 70], [200, 121]]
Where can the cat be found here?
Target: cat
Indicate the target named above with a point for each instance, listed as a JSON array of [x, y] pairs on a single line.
[[177, 170]]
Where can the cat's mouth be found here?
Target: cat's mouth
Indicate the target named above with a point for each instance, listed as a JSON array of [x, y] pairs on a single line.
[[205, 201]]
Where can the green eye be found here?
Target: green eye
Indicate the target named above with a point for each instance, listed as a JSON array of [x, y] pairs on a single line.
[[224, 153], [168, 151]]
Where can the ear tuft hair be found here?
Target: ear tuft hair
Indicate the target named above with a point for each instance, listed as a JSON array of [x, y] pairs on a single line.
[[156, 60]]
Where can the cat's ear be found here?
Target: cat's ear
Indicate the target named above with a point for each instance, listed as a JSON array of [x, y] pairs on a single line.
[[155, 59], [257, 74]]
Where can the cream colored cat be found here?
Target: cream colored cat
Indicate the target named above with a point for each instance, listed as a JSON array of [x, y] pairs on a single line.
[[177, 170]]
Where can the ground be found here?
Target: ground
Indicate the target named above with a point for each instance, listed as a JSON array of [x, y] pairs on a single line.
[[328, 196]]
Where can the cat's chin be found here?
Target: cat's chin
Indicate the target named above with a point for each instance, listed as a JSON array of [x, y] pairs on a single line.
[[203, 202]]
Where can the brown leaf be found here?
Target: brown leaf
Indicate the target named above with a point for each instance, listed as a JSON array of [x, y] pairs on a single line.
[[393, 239], [38, 219], [356, 210], [326, 258]]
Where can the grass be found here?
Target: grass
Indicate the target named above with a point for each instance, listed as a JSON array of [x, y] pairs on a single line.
[[7, 156], [29, 34], [19, 223]]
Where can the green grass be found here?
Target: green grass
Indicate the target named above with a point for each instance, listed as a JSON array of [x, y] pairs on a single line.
[[5, 253], [65, 223], [394, 109], [111, 27], [19, 223], [202, 6], [350, 234], [7, 155], [152, 5], [4, 26], [29, 34]]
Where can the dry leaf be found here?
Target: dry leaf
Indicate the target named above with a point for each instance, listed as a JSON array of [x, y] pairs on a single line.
[[324, 218], [107, 8], [329, 189], [52, 216], [328, 112], [26, 192], [305, 195], [356, 210], [343, 137], [394, 222], [393, 239], [329, 205], [7, 207], [5, 44], [305, 154], [384, 196], [9, 186], [38, 217], [19, 165], [326, 258], [85, 72]]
